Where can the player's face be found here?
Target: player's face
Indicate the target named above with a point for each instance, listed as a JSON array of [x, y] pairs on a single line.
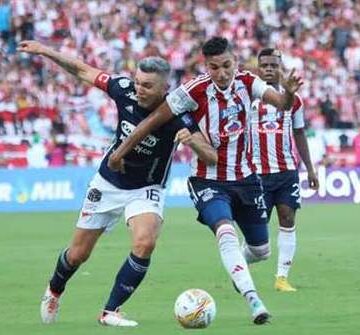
[[150, 89], [221, 69], [269, 69]]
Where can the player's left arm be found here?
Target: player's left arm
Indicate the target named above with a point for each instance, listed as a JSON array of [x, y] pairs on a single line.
[[72, 65], [199, 144], [283, 101], [301, 142]]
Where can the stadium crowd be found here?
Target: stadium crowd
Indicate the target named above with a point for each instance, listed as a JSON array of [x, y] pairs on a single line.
[[44, 113]]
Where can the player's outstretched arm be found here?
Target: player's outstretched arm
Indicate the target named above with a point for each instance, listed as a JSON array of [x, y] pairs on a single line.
[[303, 149], [284, 101], [199, 144], [155, 119], [72, 65]]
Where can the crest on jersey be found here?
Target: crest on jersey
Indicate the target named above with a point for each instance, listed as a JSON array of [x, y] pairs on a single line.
[[233, 127], [124, 82]]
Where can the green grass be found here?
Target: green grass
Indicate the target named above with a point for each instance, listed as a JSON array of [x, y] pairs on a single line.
[[326, 271]]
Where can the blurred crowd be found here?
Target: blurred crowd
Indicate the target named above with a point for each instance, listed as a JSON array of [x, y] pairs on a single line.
[[46, 113]]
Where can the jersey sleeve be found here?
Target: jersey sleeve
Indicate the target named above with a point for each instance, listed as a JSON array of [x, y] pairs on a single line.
[[255, 86], [298, 113], [259, 87], [187, 96], [114, 86]]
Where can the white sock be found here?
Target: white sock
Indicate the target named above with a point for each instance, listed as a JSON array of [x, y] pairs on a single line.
[[233, 259], [286, 248], [255, 253]]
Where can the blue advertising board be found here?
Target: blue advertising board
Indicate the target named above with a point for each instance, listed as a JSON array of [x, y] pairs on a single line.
[[63, 189]]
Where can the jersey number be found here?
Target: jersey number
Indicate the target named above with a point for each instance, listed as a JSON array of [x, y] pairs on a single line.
[[296, 192], [153, 195]]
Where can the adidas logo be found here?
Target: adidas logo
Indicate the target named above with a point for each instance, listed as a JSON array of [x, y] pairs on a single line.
[[130, 108]]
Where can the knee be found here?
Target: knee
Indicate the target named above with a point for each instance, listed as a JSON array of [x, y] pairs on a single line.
[[77, 255], [143, 246], [287, 221], [261, 252]]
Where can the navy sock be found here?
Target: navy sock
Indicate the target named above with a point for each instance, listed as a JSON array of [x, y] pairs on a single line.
[[62, 273], [127, 280]]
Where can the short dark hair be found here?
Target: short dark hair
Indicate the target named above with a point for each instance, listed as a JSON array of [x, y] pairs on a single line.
[[216, 46], [269, 52]]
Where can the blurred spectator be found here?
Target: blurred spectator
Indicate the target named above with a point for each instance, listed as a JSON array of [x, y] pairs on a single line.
[[5, 19], [356, 145], [330, 113], [36, 154], [114, 34], [56, 152]]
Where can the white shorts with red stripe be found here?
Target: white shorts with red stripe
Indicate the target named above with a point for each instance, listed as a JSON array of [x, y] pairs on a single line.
[[105, 203]]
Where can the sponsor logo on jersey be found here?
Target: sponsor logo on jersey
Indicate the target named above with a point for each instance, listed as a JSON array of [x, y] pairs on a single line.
[[271, 125], [128, 128], [230, 111]]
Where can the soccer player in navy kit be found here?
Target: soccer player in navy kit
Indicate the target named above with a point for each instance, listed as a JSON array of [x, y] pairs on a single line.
[[138, 191]]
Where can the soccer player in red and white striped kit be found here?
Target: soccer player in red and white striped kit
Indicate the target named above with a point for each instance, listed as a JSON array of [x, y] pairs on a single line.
[[273, 132], [220, 102]]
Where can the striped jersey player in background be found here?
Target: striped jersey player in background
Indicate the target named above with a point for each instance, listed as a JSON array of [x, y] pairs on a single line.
[[138, 192], [272, 151], [230, 191]]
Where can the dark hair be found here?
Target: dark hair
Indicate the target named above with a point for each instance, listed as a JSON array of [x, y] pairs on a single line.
[[269, 52], [216, 46]]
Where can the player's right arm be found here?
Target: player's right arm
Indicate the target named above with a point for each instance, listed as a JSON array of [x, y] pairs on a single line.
[[153, 121], [177, 102], [76, 67]]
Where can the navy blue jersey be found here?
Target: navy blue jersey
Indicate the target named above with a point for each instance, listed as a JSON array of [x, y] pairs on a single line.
[[149, 162]]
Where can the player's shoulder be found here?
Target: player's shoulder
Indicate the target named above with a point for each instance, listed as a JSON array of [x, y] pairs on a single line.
[[246, 77], [120, 87], [121, 81], [197, 82], [245, 73]]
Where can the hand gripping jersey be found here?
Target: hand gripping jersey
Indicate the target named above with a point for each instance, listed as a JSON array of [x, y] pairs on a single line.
[[149, 162]]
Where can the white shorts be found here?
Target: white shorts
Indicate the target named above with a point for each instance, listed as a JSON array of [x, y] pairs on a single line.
[[105, 203]]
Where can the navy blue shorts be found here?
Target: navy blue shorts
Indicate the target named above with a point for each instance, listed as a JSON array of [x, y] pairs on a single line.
[[241, 201], [281, 188]]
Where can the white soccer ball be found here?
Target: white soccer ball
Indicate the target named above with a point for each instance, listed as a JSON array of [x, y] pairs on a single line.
[[195, 308]]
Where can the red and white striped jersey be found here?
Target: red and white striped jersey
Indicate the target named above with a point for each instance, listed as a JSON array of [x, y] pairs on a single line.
[[271, 136], [222, 116]]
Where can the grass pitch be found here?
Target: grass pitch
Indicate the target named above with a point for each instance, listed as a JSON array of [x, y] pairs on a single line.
[[326, 272]]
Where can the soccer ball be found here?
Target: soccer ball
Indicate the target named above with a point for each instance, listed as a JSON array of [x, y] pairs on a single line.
[[195, 308]]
